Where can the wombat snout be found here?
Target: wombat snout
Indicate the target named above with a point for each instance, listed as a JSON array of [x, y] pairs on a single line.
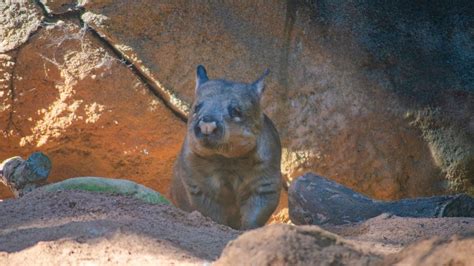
[[208, 127]]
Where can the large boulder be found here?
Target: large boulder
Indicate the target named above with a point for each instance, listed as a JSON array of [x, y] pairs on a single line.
[[377, 96], [70, 97], [372, 95]]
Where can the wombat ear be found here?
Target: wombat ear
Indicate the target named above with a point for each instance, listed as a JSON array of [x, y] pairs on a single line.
[[259, 84], [201, 76]]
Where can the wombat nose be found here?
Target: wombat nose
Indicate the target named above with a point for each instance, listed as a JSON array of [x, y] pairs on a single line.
[[207, 127]]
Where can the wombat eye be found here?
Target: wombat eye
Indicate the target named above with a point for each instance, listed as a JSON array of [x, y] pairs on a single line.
[[235, 111], [197, 108]]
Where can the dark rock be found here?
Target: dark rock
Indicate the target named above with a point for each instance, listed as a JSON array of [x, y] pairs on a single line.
[[22, 176], [317, 200]]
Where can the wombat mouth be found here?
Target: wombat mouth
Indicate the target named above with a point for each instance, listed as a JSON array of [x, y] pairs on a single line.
[[211, 142]]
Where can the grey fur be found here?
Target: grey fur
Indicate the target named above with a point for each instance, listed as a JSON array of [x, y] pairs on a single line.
[[232, 175]]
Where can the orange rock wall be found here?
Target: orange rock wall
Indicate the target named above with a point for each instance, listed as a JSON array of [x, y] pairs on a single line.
[[356, 95], [75, 101]]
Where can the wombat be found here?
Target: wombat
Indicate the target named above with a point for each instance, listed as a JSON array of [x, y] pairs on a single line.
[[229, 165]]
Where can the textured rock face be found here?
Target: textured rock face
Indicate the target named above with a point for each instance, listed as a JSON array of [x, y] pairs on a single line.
[[18, 20], [290, 245], [352, 84], [72, 99], [378, 96]]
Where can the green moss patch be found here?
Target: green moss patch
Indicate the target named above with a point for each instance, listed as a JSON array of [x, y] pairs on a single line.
[[109, 185]]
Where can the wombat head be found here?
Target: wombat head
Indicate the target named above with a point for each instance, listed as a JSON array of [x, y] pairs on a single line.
[[226, 118]]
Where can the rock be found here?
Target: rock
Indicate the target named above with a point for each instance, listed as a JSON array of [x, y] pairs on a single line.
[[452, 146], [316, 200], [22, 176], [319, 201], [282, 244], [39, 164], [356, 93], [377, 96], [18, 20], [458, 250], [109, 185], [73, 99]]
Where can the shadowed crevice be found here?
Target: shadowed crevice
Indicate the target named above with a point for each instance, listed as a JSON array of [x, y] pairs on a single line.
[[291, 8], [71, 14], [138, 73]]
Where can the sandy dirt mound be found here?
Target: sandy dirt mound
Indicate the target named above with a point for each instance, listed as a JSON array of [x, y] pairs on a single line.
[[387, 234], [458, 250], [292, 245], [81, 227], [84, 227]]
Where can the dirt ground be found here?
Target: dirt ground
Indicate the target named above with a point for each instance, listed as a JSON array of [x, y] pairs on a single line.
[[81, 227], [78, 228], [386, 234]]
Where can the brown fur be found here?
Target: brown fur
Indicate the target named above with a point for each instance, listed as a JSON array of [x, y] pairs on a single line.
[[233, 175]]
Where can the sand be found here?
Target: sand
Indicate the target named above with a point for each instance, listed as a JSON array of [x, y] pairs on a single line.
[[77, 228]]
